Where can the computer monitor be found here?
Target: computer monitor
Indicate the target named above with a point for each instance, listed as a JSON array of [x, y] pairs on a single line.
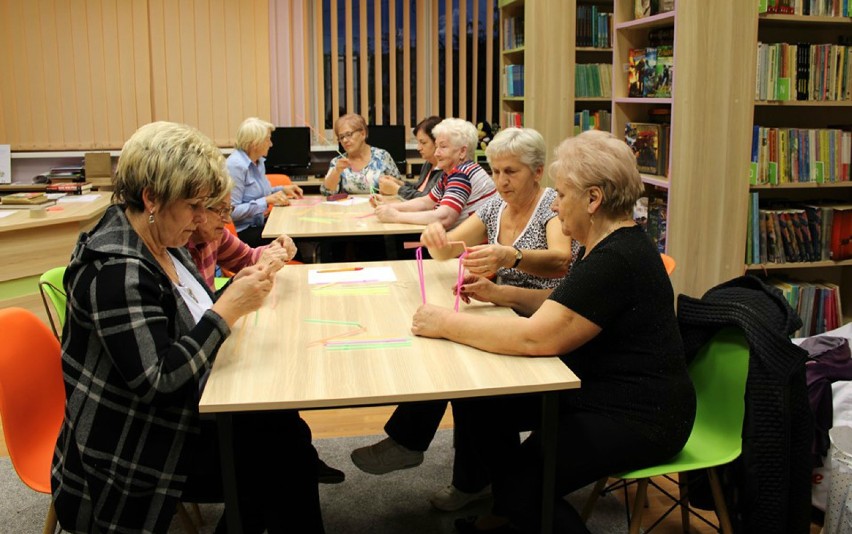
[[390, 138], [291, 149]]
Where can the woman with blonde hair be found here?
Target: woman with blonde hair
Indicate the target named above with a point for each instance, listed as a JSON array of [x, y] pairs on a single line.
[[253, 194], [611, 321]]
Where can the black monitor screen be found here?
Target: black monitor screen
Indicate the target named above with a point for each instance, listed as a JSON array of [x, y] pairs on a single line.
[[390, 138], [291, 148]]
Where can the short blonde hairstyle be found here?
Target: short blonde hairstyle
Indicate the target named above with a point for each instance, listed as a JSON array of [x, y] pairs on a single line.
[[460, 132], [353, 119], [524, 143], [172, 161], [252, 132], [596, 158]]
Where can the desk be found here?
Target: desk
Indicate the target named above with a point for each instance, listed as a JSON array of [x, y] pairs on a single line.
[[314, 217], [33, 245], [305, 376]]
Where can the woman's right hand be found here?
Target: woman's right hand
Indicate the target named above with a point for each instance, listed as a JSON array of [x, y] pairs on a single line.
[[278, 198], [388, 185], [246, 293], [478, 288], [434, 236]]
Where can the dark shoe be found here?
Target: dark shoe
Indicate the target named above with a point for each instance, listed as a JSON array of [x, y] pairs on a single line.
[[467, 525], [329, 475]]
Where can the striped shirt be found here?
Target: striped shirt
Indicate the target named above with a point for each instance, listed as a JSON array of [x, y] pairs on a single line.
[[230, 253], [465, 188]]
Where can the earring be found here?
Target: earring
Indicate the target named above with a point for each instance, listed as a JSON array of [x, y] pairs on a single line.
[[151, 217]]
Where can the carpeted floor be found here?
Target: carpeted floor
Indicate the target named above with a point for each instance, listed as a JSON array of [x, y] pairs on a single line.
[[390, 504]]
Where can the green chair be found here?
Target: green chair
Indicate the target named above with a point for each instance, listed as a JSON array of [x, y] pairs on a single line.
[[54, 298], [719, 373]]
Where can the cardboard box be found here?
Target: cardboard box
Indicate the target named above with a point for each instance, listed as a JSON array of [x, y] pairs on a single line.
[[98, 167]]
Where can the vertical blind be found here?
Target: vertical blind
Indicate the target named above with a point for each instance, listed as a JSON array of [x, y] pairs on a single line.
[[87, 74], [398, 61]]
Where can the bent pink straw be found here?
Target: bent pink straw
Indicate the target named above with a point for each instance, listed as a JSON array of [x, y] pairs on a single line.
[[460, 279]]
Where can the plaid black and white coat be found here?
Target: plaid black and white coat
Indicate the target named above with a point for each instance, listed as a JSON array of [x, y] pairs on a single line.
[[132, 357]]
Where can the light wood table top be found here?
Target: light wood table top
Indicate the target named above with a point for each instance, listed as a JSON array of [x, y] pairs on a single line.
[[269, 361], [68, 210], [313, 216]]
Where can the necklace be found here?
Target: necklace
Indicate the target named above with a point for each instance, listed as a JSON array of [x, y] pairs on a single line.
[[618, 224]]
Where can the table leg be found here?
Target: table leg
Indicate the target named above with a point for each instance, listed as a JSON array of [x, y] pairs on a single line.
[[225, 424], [549, 423], [390, 248]]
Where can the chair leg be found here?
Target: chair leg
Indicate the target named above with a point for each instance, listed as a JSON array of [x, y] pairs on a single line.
[[719, 501], [592, 499], [50, 520], [185, 521], [638, 506], [683, 494]]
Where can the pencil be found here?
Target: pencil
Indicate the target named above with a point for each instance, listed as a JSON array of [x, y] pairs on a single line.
[[343, 269]]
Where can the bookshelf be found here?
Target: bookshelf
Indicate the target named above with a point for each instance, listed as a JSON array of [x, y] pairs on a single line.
[[805, 115], [709, 143], [592, 89], [548, 82]]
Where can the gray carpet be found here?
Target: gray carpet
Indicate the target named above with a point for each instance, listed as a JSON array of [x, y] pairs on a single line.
[[390, 504]]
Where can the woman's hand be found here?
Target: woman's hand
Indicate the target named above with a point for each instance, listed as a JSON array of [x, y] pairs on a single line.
[[388, 185], [341, 165], [274, 257], [287, 244], [386, 213], [434, 236], [246, 293], [428, 321], [478, 288], [485, 260], [293, 191], [277, 198]]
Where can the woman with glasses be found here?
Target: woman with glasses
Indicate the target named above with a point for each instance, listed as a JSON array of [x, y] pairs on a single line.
[[429, 172], [252, 194], [359, 168]]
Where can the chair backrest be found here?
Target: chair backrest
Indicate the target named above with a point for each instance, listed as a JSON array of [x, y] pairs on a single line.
[[54, 298], [278, 179], [719, 373], [669, 263], [32, 395]]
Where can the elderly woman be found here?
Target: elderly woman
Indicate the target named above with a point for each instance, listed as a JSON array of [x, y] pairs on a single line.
[[362, 165], [142, 333], [462, 189], [525, 248], [429, 173], [252, 193], [636, 404]]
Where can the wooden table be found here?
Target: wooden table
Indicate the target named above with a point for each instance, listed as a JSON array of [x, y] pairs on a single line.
[[305, 374], [32, 245], [314, 217]]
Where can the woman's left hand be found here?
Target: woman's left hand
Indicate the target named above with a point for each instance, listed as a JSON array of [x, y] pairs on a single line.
[[428, 321], [386, 213], [293, 191], [485, 260]]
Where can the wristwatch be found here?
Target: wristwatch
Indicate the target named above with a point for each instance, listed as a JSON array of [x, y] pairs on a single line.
[[518, 257]]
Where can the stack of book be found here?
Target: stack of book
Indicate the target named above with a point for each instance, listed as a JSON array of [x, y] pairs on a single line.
[[69, 173], [25, 200], [70, 188]]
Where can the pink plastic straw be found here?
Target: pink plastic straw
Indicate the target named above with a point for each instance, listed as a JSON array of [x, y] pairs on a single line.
[[460, 279], [419, 255]]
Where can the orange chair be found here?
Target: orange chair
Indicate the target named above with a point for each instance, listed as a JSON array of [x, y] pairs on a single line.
[[32, 398], [278, 179], [669, 262]]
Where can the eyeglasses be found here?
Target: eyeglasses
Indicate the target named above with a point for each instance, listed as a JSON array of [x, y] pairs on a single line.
[[343, 137], [224, 212]]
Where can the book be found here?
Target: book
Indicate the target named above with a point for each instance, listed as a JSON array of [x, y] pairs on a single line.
[[664, 72], [644, 140], [46, 204], [635, 72], [32, 198], [70, 188]]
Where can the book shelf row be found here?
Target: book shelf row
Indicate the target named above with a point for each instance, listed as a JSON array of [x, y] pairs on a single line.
[[824, 8], [592, 120], [593, 80], [798, 233], [594, 27], [513, 80], [650, 72], [803, 72], [817, 304], [800, 155], [513, 33]]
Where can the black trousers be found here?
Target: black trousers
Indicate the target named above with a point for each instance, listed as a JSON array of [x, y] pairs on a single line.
[[276, 473], [589, 446], [413, 425]]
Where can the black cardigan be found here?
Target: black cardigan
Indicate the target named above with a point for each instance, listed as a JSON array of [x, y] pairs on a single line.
[[769, 485]]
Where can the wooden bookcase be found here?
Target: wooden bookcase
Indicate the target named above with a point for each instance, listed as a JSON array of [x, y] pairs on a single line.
[[804, 114], [590, 55], [709, 150]]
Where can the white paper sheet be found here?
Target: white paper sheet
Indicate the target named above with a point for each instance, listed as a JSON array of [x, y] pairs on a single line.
[[351, 201], [6, 213], [71, 199], [362, 274]]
